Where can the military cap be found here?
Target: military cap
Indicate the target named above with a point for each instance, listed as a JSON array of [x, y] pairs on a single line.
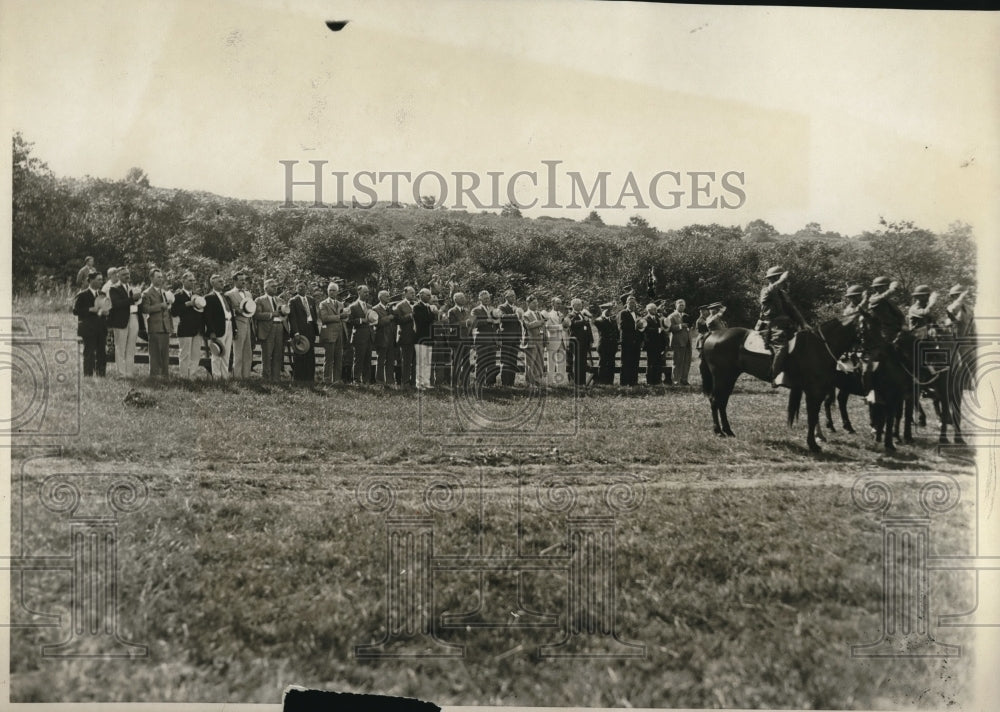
[[881, 282], [956, 290], [775, 271], [854, 290], [920, 289]]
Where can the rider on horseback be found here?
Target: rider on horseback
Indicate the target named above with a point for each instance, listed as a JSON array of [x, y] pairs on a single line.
[[889, 317], [919, 314], [778, 321]]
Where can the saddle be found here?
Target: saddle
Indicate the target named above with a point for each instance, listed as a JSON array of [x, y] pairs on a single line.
[[754, 344]]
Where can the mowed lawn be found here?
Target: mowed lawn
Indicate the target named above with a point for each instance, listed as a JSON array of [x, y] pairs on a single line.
[[745, 568]]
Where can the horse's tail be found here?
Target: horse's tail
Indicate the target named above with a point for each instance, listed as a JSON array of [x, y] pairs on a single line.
[[794, 401], [706, 376]]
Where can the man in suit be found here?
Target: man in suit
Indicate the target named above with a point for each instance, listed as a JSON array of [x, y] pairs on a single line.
[[510, 339], [487, 325], [534, 344], [581, 336], [407, 337], [190, 327], [631, 339], [460, 339], [654, 341], [303, 320], [91, 326], [111, 281], [607, 346], [680, 342], [332, 334], [270, 324], [423, 318], [159, 324], [440, 344], [219, 325], [242, 329], [124, 322], [361, 339], [555, 343], [83, 276], [385, 340]]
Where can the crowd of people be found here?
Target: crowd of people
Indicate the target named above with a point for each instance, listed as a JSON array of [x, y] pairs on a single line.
[[432, 337], [423, 338]]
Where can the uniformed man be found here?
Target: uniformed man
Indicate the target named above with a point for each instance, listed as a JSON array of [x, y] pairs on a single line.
[[715, 322], [889, 317], [919, 313], [959, 311], [853, 296], [778, 320], [701, 326]]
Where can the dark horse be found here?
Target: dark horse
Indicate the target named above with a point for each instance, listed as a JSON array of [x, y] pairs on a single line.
[[941, 368], [844, 386], [889, 374], [811, 369]]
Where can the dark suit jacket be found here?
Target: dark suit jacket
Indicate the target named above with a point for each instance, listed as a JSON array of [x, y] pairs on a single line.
[[631, 338], [88, 324], [423, 318], [581, 331], [192, 322], [385, 331], [510, 325], [461, 320], [215, 317], [404, 318], [297, 318], [120, 307]]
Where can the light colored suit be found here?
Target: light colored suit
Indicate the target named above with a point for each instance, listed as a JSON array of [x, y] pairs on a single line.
[[534, 337], [555, 347], [271, 335], [242, 339], [680, 345], [159, 324], [332, 336]]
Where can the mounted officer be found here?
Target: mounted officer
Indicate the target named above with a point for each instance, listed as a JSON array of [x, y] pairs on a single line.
[[778, 321], [918, 315], [853, 296], [889, 317]]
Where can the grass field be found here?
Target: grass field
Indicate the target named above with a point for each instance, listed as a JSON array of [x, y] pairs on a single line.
[[746, 571]]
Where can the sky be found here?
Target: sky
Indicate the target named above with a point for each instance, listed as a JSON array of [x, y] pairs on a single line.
[[832, 116]]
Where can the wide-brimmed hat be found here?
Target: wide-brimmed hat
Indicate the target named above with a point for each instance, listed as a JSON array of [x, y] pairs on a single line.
[[715, 305], [705, 307], [775, 271], [956, 290], [199, 303], [854, 290], [625, 295], [881, 282], [301, 344], [248, 307], [103, 302], [920, 289], [373, 317], [215, 346]]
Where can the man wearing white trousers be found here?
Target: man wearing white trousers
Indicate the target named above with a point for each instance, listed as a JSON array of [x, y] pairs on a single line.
[[219, 325], [424, 316], [242, 345], [190, 327], [124, 322], [555, 344]]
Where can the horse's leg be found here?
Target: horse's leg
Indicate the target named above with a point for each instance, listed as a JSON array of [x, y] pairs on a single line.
[[827, 407], [723, 399], [813, 403], [908, 420], [876, 417], [842, 397], [956, 421], [897, 418], [921, 415], [941, 405], [892, 410]]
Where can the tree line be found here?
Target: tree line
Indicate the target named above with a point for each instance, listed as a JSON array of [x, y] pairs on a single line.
[[57, 221]]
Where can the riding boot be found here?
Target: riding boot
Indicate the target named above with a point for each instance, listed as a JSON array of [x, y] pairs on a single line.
[[778, 366]]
